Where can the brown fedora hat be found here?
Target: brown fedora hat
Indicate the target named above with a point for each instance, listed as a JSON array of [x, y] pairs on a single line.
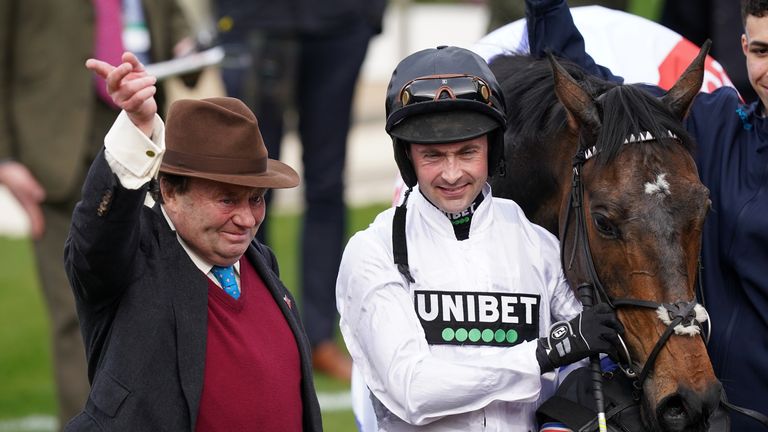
[[218, 139]]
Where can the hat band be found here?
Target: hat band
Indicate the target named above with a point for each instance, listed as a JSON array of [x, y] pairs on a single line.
[[214, 164]]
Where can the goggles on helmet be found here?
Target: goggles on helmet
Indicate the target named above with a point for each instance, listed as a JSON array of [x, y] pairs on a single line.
[[449, 86]]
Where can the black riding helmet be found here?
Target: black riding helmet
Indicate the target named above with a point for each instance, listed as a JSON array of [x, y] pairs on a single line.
[[443, 95]]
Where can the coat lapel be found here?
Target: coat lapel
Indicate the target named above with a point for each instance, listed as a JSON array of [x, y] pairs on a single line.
[[190, 309]]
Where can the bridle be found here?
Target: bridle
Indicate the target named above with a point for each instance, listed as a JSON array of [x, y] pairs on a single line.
[[683, 317]]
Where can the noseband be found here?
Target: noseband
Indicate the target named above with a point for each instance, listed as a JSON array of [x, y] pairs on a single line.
[[683, 318]]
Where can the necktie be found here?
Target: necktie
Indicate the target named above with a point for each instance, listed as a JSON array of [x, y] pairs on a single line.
[[108, 37], [226, 277]]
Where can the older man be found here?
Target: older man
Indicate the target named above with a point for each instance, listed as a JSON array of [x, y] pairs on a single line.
[[186, 323]]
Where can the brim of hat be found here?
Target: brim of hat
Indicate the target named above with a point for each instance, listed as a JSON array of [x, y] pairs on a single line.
[[277, 176], [443, 127]]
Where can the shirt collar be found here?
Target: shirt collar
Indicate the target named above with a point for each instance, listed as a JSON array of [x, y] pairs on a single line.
[[436, 217]]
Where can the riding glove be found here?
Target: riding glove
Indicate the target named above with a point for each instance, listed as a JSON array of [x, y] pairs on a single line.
[[591, 332]]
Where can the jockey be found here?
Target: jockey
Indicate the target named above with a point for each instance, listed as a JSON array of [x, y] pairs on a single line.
[[731, 156], [453, 305]]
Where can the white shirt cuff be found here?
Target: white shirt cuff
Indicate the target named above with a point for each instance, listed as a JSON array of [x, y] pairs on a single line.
[[132, 156]]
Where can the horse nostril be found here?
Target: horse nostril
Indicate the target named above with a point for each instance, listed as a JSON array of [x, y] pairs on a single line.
[[672, 414], [688, 411]]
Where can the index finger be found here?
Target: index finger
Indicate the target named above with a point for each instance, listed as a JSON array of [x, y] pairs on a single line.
[[100, 68]]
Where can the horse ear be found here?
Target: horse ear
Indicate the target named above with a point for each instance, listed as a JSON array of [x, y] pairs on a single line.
[[680, 97], [577, 102]]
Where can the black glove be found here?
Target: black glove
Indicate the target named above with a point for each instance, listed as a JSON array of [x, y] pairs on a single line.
[[592, 332]]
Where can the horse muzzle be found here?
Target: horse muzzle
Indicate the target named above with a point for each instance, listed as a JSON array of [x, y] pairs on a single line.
[[687, 410]]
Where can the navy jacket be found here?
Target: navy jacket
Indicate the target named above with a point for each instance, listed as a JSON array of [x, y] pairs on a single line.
[[143, 310], [732, 158]]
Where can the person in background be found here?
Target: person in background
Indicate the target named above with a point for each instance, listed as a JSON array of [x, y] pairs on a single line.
[[186, 323], [305, 54], [732, 161], [718, 20], [53, 117], [453, 305]]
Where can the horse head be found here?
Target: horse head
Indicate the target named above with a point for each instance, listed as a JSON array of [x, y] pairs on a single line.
[[608, 168], [631, 226]]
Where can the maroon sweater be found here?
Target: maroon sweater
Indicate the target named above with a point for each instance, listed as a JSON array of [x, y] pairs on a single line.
[[252, 367]]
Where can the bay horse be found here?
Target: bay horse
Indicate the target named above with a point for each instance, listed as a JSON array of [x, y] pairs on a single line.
[[608, 169]]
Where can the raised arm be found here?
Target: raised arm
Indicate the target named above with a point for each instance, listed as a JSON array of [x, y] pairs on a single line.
[[551, 29], [101, 253]]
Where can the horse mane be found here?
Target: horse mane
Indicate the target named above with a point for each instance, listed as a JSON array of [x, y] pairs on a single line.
[[534, 114]]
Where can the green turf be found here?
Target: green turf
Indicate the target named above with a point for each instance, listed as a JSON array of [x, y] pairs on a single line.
[[647, 8], [25, 372], [26, 383]]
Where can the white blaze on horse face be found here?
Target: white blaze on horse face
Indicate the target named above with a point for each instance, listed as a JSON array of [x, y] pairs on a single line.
[[660, 186]]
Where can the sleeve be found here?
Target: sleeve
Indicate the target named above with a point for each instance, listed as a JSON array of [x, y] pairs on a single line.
[[711, 121], [551, 29], [106, 223], [104, 237], [564, 305], [132, 156], [387, 343]]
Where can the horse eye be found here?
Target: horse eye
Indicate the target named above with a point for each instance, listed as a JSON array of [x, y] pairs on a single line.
[[605, 226]]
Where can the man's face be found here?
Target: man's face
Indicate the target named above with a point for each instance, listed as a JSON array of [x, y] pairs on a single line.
[[754, 43], [217, 220], [451, 175]]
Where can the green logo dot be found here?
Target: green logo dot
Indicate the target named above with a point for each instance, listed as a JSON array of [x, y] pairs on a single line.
[[461, 335], [500, 336], [511, 336], [474, 335], [487, 335], [448, 334]]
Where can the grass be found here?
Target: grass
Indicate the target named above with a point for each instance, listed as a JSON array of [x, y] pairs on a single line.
[[646, 8], [26, 381]]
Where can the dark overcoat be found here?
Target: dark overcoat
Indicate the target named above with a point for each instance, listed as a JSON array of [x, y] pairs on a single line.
[[142, 305]]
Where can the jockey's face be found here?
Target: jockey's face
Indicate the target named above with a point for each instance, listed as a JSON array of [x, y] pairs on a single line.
[[754, 43], [451, 175]]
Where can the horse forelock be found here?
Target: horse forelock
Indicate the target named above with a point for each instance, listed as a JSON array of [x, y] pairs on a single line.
[[628, 110]]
